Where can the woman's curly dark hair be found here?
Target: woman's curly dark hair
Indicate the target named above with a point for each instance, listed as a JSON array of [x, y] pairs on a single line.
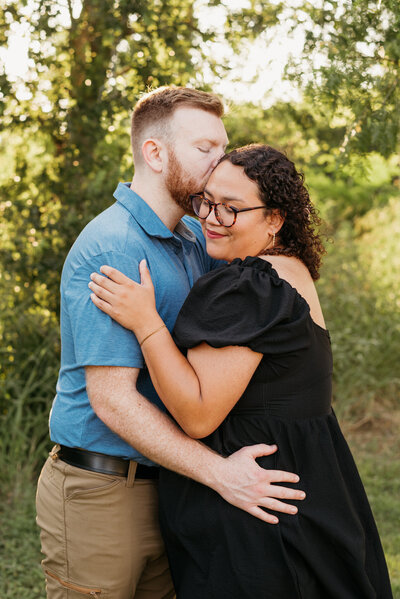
[[282, 188]]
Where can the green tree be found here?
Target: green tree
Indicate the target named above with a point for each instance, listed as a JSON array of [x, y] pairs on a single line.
[[87, 71], [70, 117], [356, 79]]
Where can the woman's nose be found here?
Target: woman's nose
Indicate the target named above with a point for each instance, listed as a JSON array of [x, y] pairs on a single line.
[[211, 218]]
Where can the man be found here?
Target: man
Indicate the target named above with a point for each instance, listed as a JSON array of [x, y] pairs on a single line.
[[97, 494]]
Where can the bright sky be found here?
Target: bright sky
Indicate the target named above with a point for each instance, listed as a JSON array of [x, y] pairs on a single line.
[[256, 73]]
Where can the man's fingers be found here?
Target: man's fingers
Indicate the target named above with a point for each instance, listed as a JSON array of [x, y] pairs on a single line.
[[262, 515], [285, 493], [280, 476], [273, 504], [277, 506], [256, 451]]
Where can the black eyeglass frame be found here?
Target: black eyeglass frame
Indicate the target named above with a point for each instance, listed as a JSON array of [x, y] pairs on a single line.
[[214, 206]]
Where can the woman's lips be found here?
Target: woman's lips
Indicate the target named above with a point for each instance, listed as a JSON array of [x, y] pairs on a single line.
[[213, 234]]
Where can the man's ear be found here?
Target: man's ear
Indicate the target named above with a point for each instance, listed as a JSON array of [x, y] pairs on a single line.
[[153, 153]]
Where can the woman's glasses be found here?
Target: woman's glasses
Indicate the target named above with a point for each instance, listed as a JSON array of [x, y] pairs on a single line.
[[224, 213]]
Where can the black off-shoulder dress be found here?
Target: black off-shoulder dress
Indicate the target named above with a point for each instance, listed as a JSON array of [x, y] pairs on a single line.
[[331, 548]]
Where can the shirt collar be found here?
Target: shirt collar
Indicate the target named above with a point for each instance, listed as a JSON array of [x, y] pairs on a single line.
[[146, 217]]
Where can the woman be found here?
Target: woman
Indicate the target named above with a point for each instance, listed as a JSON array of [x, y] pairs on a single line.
[[257, 370]]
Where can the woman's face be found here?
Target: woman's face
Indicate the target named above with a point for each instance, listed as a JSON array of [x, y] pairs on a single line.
[[228, 184]]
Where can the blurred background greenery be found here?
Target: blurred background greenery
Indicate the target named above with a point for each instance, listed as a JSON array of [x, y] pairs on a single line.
[[65, 144]]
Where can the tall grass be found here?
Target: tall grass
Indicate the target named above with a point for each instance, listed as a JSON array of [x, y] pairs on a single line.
[[27, 389], [360, 296]]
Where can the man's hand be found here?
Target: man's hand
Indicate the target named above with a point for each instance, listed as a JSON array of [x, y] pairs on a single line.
[[238, 478], [244, 484]]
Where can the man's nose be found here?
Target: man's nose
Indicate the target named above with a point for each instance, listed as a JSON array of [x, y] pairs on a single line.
[[218, 155]]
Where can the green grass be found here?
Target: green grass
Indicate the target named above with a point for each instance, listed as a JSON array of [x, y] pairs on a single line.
[[377, 455], [20, 572]]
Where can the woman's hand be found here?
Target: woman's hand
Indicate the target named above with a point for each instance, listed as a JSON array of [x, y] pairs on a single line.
[[131, 304]]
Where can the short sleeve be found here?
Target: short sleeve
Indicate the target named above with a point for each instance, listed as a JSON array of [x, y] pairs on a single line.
[[244, 303], [97, 339]]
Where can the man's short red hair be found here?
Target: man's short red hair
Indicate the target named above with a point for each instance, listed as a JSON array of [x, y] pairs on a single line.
[[153, 111]]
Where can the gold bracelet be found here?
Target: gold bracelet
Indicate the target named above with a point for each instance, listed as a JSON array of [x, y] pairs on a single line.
[[153, 333]]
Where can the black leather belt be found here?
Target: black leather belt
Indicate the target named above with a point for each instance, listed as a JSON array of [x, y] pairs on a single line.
[[105, 464]]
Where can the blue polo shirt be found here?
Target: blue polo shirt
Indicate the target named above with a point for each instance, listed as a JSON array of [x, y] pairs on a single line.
[[121, 236]]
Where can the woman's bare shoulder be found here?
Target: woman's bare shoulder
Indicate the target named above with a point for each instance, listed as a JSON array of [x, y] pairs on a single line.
[[289, 267], [296, 273]]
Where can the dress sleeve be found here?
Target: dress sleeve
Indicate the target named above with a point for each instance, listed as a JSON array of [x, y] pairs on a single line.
[[244, 303]]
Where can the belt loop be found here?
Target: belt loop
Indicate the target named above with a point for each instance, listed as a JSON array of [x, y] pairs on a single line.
[[130, 479], [53, 453]]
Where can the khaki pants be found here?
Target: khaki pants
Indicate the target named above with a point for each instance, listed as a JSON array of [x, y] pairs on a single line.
[[100, 535]]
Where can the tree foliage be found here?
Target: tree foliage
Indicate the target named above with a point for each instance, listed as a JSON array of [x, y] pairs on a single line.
[[86, 72], [352, 69], [69, 119]]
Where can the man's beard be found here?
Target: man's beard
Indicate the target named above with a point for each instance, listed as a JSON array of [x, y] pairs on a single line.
[[180, 184]]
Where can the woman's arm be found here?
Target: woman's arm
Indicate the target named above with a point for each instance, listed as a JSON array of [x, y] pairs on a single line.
[[198, 391], [201, 390]]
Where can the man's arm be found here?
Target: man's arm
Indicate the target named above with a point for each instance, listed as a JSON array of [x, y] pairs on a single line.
[[238, 478]]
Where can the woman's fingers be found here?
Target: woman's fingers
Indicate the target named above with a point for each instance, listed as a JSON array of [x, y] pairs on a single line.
[[115, 275], [104, 282], [104, 306], [114, 278], [101, 292], [145, 276]]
